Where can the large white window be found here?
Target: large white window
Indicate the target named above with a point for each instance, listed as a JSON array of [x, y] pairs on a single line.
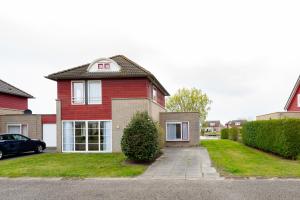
[[78, 92], [298, 100], [86, 136], [94, 92], [17, 129], [177, 131]]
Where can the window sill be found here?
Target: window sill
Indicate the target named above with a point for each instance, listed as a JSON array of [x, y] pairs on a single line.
[[177, 140]]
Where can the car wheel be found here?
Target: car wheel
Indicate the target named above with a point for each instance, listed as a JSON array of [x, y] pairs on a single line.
[[1, 154], [39, 149]]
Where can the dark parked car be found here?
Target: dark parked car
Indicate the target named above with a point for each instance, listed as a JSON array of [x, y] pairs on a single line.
[[16, 143]]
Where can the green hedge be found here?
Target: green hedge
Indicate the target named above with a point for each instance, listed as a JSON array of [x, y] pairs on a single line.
[[281, 137], [225, 133], [234, 134]]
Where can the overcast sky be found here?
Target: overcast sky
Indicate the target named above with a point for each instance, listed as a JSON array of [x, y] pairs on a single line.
[[244, 54]]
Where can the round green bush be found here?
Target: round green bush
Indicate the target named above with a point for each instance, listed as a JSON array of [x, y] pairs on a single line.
[[140, 141], [225, 133]]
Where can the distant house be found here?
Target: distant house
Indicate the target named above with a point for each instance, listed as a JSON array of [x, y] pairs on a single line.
[[292, 106], [235, 123], [212, 126]]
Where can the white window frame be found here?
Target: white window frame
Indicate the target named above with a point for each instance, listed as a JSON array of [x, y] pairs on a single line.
[[178, 122], [237, 123], [20, 125], [154, 98], [88, 88], [298, 98], [72, 94], [86, 138]]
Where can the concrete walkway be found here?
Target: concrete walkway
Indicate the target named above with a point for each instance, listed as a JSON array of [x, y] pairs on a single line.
[[182, 163]]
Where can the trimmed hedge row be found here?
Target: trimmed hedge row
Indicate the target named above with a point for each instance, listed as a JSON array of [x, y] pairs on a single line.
[[234, 134], [281, 136], [225, 133]]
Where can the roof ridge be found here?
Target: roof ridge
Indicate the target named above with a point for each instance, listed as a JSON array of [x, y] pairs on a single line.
[[132, 62], [29, 95]]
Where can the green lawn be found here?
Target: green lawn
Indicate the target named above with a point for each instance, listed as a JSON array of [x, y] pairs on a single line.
[[237, 160], [69, 165]]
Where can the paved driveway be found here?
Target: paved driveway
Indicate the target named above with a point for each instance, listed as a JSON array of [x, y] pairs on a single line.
[[182, 163]]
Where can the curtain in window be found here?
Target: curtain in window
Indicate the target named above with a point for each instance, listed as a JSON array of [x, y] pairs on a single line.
[[68, 136], [107, 134], [14, 129], [171, 131], [94, 92], [78, 92], [185, 131]]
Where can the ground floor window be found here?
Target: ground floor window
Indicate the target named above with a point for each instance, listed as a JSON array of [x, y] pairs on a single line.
[[17, 129], [177, 131], [86, 136]]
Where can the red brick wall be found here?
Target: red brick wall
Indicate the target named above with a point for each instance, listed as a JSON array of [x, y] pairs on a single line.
[[49, 119], [13, 102], [111, 88], [294, 104]]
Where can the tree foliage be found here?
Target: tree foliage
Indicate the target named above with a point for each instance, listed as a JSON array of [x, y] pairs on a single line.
[[189, 100]]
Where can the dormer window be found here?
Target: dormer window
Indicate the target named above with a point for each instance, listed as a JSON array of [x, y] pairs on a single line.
[[104, 65]]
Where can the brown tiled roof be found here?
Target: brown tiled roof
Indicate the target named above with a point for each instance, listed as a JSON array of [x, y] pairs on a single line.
[[9, 89], [129, 69]]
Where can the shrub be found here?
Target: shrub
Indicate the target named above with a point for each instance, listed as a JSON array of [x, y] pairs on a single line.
[[225, 133], [140, 141], [234, 134], [281, 136]]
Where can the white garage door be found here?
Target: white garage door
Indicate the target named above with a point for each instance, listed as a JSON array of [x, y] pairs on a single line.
[[49, 134]]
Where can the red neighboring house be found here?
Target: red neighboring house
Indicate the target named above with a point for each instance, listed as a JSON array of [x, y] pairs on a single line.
[[12, 99], [292, 107], [293, 103], [96, 101], [15, 117]]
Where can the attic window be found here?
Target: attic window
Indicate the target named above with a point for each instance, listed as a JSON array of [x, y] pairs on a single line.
[[104, 65]]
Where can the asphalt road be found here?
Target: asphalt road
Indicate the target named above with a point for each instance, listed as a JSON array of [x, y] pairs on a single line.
[[12, 189]]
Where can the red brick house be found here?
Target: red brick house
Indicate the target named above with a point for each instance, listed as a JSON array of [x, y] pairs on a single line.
[[96, 101]]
